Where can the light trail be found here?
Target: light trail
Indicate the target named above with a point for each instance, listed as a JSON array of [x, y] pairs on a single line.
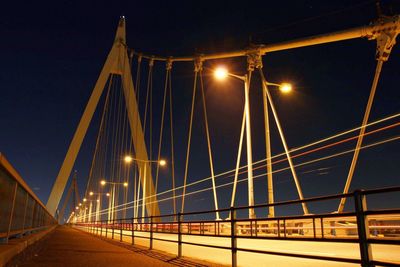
[[104, 211], [226, 173]]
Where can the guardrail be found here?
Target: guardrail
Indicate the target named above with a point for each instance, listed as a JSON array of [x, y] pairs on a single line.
[[360, 225], [21, 211]]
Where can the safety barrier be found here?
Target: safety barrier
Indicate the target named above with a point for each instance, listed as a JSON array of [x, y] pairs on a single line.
[[360, 226], [21, 212]]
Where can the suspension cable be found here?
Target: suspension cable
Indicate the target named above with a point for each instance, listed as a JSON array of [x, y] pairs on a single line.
[[167, 75], [361, 134], [172, 144], [200, 69], [189, 140], [279, 170]]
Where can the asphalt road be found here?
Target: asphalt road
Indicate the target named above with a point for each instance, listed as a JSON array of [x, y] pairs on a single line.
[[71, 247], [389, 253]]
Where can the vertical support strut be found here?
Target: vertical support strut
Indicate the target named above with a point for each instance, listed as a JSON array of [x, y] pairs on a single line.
[[250, 187], [285, 146], [385, 43]]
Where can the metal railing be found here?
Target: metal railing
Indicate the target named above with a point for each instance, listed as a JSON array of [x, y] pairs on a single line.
[[21, 212], [360, 226]]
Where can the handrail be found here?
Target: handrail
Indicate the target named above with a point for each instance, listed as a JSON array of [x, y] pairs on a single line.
[[360, 226], [21, 210]]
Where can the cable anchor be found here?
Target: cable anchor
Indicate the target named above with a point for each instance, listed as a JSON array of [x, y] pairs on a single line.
[[254, 59], [386, 39], [198, 64]]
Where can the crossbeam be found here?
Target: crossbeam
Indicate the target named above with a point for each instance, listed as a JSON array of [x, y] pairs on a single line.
[[371, 32]]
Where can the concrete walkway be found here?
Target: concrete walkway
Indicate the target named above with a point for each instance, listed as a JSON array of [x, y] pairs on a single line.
[[71, 247]]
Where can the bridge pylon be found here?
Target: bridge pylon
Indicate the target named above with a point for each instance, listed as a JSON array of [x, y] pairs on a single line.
[[117, 63]]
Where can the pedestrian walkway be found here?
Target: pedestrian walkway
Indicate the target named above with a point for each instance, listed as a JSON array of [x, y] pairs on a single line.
[[70, 247]]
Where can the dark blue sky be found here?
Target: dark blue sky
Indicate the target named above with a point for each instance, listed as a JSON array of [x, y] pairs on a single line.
[[51, 53]]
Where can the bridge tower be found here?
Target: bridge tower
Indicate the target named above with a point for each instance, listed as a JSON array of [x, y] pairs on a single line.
[[117, 63]]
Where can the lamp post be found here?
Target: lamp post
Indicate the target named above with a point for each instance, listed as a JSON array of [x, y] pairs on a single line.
[[98, 204], [128, 159], [111, 206], [221, 74], [285, 88]]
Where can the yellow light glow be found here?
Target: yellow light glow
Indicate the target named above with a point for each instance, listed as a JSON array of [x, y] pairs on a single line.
[[108, 194], [76, 207], [103, 182], [162, 162], [221, 73], [98, 200], [84, 200], [91, 193], [285, 88], [128, 159], [126, 184], [80, 204]]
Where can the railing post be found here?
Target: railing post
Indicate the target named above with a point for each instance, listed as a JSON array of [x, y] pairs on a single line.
[[133, 231], [113, 225], [233, 237], [151, 232], [179, 235], [26, 205], [362, 228], [12, 212], [120, 231]]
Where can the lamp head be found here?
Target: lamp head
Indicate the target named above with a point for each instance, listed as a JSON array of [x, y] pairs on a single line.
[[162, 162], [84, 200], [128, 159], [125, 184], [108, 194], [91, 193], [285, 88], [103, 182], [220, 73]]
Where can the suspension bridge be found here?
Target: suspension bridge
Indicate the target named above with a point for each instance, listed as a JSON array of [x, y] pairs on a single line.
[[156, 179]]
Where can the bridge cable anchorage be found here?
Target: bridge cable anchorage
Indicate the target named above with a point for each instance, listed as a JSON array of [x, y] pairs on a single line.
[[386, 39]]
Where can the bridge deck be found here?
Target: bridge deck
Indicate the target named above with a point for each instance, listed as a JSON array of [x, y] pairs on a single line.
[[71, 247]]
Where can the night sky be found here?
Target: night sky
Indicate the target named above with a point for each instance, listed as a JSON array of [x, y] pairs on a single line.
[[51, 53]]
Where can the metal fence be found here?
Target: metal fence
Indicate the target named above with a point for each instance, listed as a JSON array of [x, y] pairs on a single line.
[[21, 212], [360, 226]]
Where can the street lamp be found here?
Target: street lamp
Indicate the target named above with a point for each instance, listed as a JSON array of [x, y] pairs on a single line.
[[221, 74], [98, 202], [284, 88], [128, 159], [111, 211]]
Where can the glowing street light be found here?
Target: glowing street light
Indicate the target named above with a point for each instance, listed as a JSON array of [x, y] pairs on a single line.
[[285, 88], [221, 73], [84, 200], [103, 182], [125, 184], [128, 159]]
